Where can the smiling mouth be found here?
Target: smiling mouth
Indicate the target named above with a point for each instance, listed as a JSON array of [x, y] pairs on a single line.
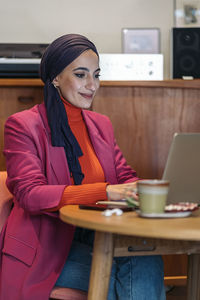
[[87, 96]]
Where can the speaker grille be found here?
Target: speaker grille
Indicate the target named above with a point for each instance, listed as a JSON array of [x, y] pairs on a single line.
[[186, 52]]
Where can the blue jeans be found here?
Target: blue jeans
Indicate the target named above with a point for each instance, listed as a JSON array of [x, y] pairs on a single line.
[[132, 278]]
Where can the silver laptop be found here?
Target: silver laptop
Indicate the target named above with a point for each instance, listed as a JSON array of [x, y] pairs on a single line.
[[183, 168]]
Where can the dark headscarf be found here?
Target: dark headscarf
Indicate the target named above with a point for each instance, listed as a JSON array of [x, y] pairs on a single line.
[[58, 55]]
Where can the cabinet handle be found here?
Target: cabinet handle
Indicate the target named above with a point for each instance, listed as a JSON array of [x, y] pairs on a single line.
[[25, 100], [141, 248]]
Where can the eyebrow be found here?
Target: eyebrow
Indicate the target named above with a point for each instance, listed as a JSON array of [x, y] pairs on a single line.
[[85, 69]]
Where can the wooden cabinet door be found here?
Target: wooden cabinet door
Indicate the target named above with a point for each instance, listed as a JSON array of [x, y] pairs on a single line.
[[12, 100]]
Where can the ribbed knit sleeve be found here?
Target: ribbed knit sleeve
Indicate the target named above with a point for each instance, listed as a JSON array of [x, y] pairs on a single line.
[[83, 194]]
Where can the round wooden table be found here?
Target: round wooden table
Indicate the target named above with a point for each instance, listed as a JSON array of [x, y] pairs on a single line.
[[130, 234]]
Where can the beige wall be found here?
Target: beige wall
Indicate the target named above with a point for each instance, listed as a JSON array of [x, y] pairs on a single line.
[[102, 21]]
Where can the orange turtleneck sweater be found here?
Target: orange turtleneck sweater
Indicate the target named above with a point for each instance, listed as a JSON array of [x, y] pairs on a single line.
[[93, 187]]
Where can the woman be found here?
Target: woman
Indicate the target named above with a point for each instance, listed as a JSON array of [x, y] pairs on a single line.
[[58, 153]]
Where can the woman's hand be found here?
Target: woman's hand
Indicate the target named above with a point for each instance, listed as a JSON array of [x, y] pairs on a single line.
[[121, 191]]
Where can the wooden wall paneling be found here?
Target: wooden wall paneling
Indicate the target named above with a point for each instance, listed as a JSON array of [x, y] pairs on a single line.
[[145, 119]]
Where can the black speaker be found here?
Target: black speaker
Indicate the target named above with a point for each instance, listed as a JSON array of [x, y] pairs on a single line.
[[186, 52]]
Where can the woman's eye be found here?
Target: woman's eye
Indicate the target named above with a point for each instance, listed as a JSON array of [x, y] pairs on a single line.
[[97, 75], [79, 75]]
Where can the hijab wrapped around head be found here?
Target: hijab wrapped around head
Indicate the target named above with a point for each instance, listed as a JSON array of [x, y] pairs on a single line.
[[58, 55]]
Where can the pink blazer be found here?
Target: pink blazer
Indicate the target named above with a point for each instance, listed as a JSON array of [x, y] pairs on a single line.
[[34, 244]]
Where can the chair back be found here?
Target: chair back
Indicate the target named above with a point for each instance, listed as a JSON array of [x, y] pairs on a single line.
[[5, 199]]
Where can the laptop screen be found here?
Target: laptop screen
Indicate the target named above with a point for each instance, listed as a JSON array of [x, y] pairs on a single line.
[[183, 168]]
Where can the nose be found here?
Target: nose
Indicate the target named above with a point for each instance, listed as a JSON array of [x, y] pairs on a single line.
[[91, 84]]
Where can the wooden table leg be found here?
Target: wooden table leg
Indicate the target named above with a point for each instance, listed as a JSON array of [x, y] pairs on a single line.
[[101, 266], [193, 282]]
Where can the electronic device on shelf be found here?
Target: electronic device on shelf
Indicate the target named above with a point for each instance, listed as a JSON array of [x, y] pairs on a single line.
[[20, 60], [131, 66]]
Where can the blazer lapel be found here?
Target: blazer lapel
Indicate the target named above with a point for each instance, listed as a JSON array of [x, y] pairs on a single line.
[[57, 155], [102, 149], [59, 164]]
